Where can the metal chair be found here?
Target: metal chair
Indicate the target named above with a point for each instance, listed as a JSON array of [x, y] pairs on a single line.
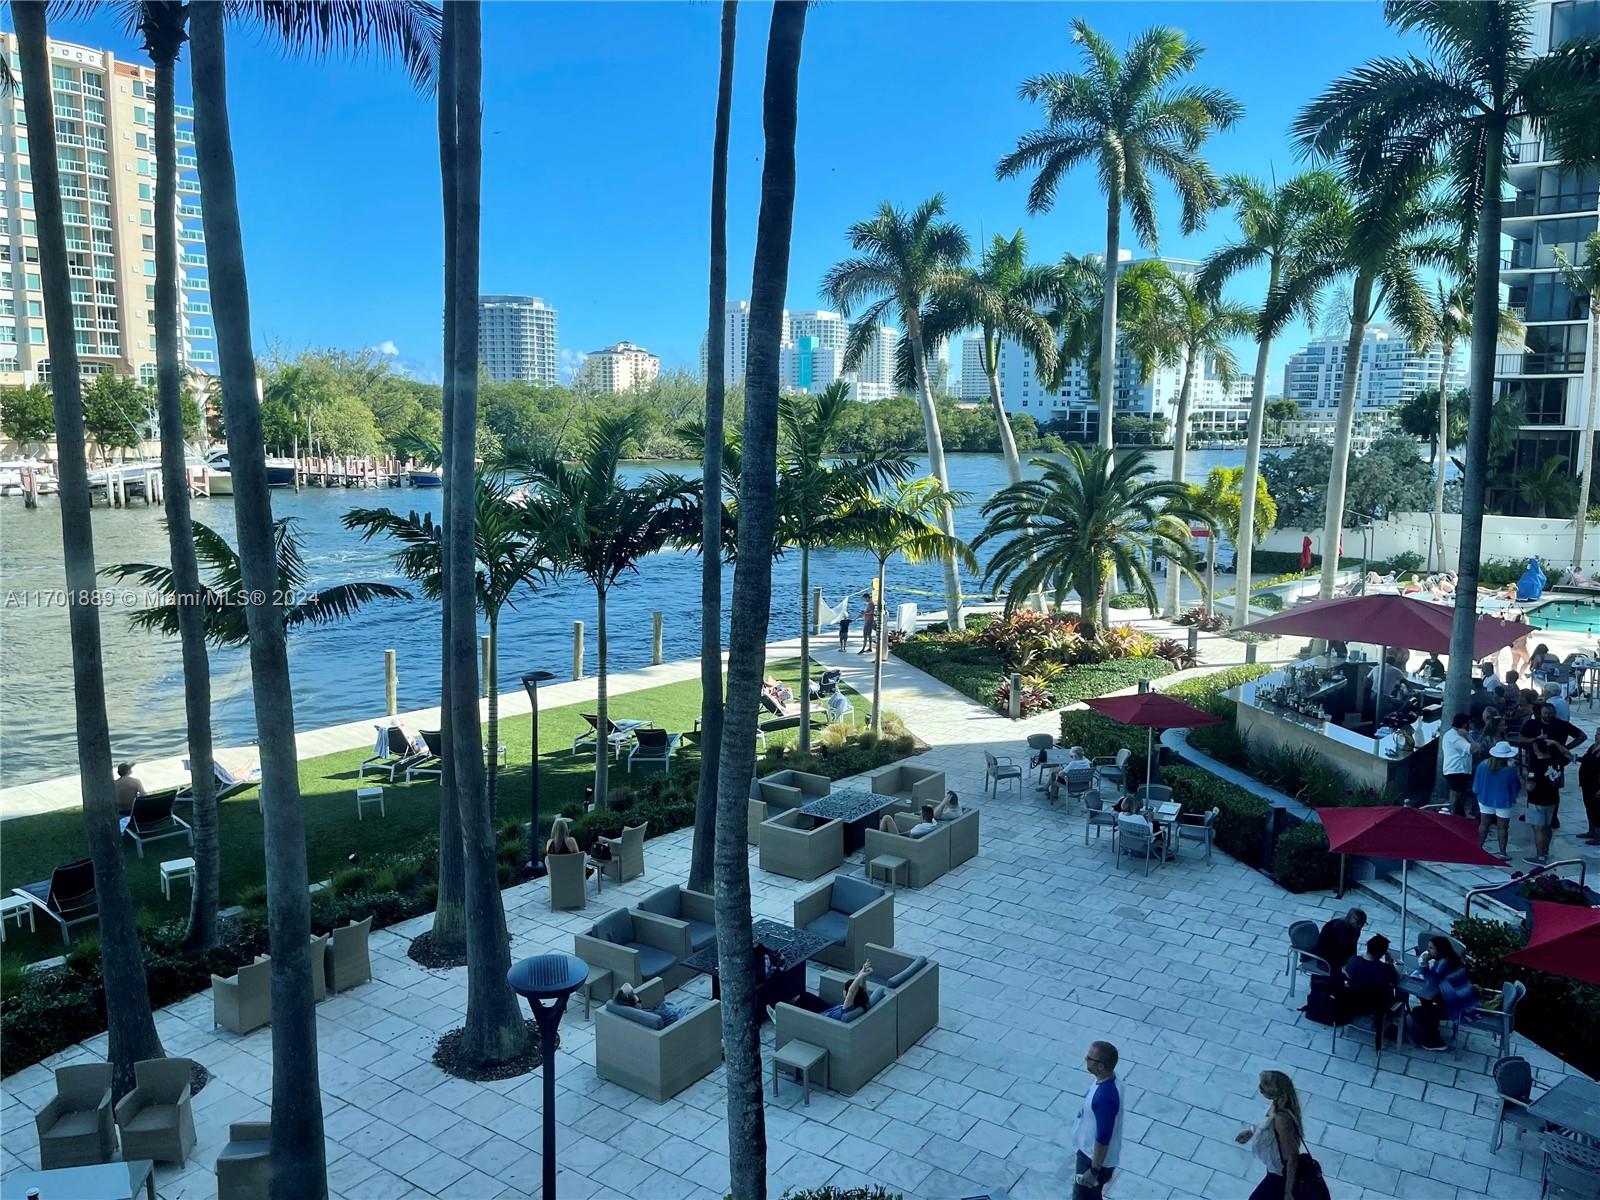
[[68, 897], [1038, 743], [1513, 1079], [1097, 817], [1571, 1168], [1137, 837], [1375, 1023], [1113, 769], [1078, 784], [1500, 1022], [998, 767], [1196, 828], [1154, 793], [152, 820], [1303, 958]]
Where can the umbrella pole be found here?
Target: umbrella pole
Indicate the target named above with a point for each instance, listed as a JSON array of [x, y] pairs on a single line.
[[1405, 899], [1149, 755], [1342, 859], [1377, 703]]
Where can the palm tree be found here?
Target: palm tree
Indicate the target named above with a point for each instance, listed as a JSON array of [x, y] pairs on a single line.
[[1460, 106], [601, 527], [1124, 114], [1272, 218], [813, 493], [903, 522], [751, 604], [702, 858], [1197, 330], [130, 1026], [1220, 504], [298, 1154], [509, 554], [901, 260], [1002, 299], [1375, 237], [1082, 521], [1550, 486], [1583, 280]]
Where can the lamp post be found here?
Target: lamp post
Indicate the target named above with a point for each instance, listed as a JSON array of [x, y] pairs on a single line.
[[546, 982], [531, 681]]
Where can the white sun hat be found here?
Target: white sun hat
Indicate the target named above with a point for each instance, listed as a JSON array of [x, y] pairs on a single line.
[[1503, 750]]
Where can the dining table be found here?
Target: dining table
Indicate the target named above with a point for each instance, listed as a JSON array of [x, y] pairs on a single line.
[[1573, 1104]]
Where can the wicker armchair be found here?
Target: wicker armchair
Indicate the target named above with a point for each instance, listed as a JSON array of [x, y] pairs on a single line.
[[914, 982], [928, 857], [857, 1049], [852, 913], [697, 910], [778, 792], [349, 961], [918, 785], [627, 854], [963, 838], [655, 1061], [243, 1003], [789, 848], [635, 946], [244, 1168], [155, 1118], [568, 875], [75, 1127]]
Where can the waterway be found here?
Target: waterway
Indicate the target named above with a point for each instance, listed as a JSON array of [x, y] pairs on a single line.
[[337, 670]]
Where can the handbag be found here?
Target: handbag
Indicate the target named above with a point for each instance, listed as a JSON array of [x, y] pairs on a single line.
[[1308, 1181]]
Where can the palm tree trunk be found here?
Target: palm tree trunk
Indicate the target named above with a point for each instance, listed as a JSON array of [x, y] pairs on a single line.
[[204, 903], [954, 619], [1211, 569], [877, 657], [1244, 550], [129, 1024], [1333, 516], [602, 742], [491, 754], [702, 858], [752, 598], [1485, 336], [1586, 447], [450, 910], [805, 649], [299, 1157], [1108, 316], [1090, 588], [1180, 450], [495, 1030], [1008, 441], [1442, 453]]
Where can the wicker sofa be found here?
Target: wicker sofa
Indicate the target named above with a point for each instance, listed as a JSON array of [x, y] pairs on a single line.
[[963, 837], [927, 857], [656, 1062], [914, 982], [857, 1049], [780, 791], [678, 903], [850, 911], [634, 946], [790, 845], [918, 785]]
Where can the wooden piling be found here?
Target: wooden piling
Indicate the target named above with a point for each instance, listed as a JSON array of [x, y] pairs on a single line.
[[577, 649], [655, 639], [391, 684]]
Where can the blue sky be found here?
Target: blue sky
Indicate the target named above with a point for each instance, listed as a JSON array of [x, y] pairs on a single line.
[[597, 131]]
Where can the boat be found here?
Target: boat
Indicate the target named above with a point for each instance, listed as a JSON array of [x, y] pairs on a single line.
[[425, 477], [11, 475], [280, 472]]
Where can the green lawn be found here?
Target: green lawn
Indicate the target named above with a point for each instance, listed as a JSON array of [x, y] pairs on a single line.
[[31, 846]]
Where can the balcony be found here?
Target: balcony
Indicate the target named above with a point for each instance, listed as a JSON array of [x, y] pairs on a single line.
[[185, 137], [97, 144], [94, 90], [77, 244], [1526, 152], [188, 162], [189, 186], [66, 85], [75, 219], [191, 235], [71, 191], [71, 139], [197, 285], [97, 115], [99, 170], [101, 222], [197, 309], [63, 113], [184, 112], [104, 273], [1556, 362], [189, 212], [193, 260]]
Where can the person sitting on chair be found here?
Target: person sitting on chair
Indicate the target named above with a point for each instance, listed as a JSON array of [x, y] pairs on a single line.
[[856, 995], [1077, 768], [1371, 980], [927, 825], [562, 842], [628, 999], [949, 809], [1451, 993]]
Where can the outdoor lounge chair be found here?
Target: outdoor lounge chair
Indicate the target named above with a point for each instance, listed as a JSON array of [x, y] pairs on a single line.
[[238, 772], [152, 820], [927, 858], [857, 1048], [1195, 827], [913, 981], [790, 845], [431, 763], [67, 897], [963, 837], [849, 912], [1303, 958], [1513, 1080], [634, 1049], [618, 734], [75, 1127], [1113, 770], [155, 1118], [1097, 816], [392, 752], [916, 785], [652, 745], [697, 910], [244, 1168], [998, 767], [244, 1003], [569, 880], [1497, 1022], [627, 853], [635, 946], [778, 792], [349, 960], [840, 709], [1137, 838]]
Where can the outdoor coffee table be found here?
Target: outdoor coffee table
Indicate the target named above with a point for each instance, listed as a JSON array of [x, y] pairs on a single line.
[[857, 809], [15, 908], [102, 1181], [805, 1060], [1573, 1104], [794, 947]]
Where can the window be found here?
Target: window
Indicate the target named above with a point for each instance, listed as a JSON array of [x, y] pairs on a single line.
[[36, 336], [150, 292], [150, 266], [149, 243], [1573, 19], [146, 217], [1547, 298], [146, 167], [139, 91], [138, 109], [9, 364], [33, 282], [1544, 400], [1553, 349], [36, 309], [142, 141], [146, 192], [1565, 191], [147, 374]]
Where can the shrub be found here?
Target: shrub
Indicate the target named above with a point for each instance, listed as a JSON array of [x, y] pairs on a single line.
[[828, 1192], [1209, 622], [1175, 652], [1271, 601], [1301, 862], [1241, 816], [1560, 1014], [1035, 696], [1097, 679], [1555, 890], [1124, 641], [1212, 684], [1126, 600]]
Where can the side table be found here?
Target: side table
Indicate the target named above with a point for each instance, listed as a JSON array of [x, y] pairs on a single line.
[[804, 1059], [15, 908], [891, 865], [176, 868], [598, 984]]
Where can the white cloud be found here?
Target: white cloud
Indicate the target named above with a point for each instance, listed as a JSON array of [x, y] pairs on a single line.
[[387, 348], [571, 360]]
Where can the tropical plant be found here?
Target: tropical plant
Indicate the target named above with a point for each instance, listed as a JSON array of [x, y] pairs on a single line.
[[1583, 281], [1125, 115], [751, 604], [1220, 504], [1082, 521], [131, 1026], [1002, 299], [702, 857], [1481, 85], [814, 498], [1418, 415], [1272, 219], [27, 415], [902, 259], [1548, 486], [905, 521]]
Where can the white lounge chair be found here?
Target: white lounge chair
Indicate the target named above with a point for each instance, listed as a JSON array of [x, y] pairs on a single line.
[[618, 735], [234, 773]]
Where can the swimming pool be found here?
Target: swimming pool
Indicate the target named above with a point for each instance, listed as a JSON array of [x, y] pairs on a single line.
[[1567, 616]]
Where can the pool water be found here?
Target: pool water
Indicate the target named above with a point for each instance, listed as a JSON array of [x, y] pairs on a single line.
[[1568, 616]]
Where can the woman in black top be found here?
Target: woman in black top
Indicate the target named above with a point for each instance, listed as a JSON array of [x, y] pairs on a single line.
[[1589, 781]]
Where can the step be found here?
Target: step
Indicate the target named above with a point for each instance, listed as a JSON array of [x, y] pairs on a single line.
[[1384, 895]]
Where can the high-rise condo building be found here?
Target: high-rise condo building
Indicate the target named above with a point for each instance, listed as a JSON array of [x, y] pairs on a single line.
[[517, 340], [105, 146], [619, 368], [1392, 371], [1552, 377], [811, 353]]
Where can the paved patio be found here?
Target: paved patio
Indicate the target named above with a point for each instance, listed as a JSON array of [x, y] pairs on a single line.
[[1043, 945]]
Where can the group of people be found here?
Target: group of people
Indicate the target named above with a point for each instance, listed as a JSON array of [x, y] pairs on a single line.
[[869, 621]]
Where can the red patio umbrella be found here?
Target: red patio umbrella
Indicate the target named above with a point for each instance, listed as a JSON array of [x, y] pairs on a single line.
[[1153, 711], [1409, 834], [1388, 620], [1565, 941]]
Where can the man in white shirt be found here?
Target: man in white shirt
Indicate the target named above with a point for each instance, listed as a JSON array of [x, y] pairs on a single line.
[[1098, 1137], [1456, 749]]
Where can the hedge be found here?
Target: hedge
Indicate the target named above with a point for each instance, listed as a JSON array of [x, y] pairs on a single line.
[[1300, 859], [1560, 1014], [1241, 816], [1126, 600], [976, 670], [1088, 680]]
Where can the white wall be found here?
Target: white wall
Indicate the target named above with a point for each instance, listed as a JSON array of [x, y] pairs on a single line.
[[1548, 539]]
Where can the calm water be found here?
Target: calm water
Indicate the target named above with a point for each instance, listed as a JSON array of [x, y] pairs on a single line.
[[338, 670]]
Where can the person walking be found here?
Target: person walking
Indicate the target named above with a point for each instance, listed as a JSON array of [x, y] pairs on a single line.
[[1276, 1141], [869, 625], [1456, 747], [1098, 1137]]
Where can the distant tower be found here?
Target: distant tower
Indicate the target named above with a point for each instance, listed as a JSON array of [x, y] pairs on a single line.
[[517, 340]]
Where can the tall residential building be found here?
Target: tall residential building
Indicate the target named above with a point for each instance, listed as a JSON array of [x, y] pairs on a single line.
[[736, 341], [974, 380], [619, 368], [105, 145], [1553, 207], [1391, 372], [517, 340], [811, 353], [874, 374]]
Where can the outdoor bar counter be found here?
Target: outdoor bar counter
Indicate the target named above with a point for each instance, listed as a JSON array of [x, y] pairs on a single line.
[[1312, 704]]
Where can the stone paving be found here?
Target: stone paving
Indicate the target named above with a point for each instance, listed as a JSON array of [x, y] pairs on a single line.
[[1043, 945]]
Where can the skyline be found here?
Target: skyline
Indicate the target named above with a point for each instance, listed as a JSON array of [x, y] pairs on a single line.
[[612, 231]]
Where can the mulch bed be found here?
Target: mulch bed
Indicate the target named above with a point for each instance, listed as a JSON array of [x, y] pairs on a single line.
[[447, 1056], [422, 951], [198, 1078]]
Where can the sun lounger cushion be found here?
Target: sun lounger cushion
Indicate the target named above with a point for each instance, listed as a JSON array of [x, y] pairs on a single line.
[[833, 925]]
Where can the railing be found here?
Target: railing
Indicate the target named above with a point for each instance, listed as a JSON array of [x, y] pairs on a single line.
[[66, 85], [98, 144], [1484, 892], [191, 235], [101, 222], [1526, 152], [98, 116], [71, 191], [190, 186], [188, 162], [197, 309], [95, 90], [189, 212], [69, 139], [102, 172], [193, 260], [68, 114], [77, 244], [184, 112], [104, 273]]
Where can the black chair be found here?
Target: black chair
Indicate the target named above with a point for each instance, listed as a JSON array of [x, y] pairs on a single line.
[[1513, 1080], [152, 820], [397, 754], [431, 763], [68, 897]]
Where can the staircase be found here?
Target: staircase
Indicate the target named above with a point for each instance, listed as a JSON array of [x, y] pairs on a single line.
[[1438, 894]]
